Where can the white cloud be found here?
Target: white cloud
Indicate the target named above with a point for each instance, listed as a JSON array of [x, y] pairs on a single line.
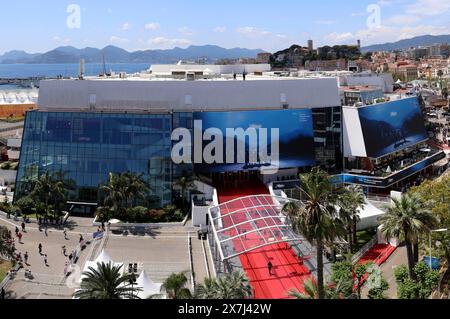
[[220, 29], [165, 43], [252, 31], [429, 8], [186, 31], [385, 33], [152, 26], [125, 27], [402, 19], [60, 40], [118, 40], [325, 22]]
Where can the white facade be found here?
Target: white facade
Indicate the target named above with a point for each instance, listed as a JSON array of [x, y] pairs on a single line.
[[210, 68], [156, 96], [384, 81]]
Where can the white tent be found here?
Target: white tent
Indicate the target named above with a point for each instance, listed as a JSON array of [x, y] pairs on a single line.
[[103, 258], [369, 216], [148, 287]]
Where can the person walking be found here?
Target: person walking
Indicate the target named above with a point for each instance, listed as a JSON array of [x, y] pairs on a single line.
[[81, 238], [40, 249], [65, 234], [20, 237], [45, 260], [23, 226], [269, 267], [46, 230], [17, 231], [64, 250], [25, 257]]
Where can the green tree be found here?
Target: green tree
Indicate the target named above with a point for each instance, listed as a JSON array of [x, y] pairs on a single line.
[[350, 200], [316, 217], [122, 192], [50, 191], [230, 286], [408, 219], [6, 251], [380, 291], [26, 205], [437, 193], [106, 282], [425, 281], [186, 182], [175, 287], [331, 291]]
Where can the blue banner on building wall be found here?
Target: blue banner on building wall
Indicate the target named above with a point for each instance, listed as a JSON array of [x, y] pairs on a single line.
[[390, 180], [391, 127], [296, 138]]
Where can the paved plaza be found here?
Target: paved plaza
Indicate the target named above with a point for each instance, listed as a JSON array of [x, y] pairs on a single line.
[[160, 252]]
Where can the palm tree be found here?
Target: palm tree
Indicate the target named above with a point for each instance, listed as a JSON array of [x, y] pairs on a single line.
[[316, 219], [408, 219], [136, 188], [230, 286], [122, 191], [186, 182], [311, 290], [114, 194], [50, 192], [332, 291], [175, 287], [106, 282], [350, 201], [207, 290]]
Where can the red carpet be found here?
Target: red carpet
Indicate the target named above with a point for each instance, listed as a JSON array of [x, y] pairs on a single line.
[[378, 254], [288, 271]]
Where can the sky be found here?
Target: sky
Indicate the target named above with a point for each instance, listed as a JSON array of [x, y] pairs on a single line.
[[39, 26]]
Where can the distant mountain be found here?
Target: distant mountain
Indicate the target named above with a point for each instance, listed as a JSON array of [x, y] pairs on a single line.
[[113, 54], [424, 40]]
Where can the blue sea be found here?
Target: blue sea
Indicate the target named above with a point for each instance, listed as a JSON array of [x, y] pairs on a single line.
[[8, 71]]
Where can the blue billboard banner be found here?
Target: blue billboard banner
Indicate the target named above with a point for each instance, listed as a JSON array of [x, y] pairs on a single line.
[[391, 127], [290, 132], [383, 182]]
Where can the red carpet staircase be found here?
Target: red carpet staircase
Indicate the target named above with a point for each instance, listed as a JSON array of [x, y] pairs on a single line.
[[288, 271]]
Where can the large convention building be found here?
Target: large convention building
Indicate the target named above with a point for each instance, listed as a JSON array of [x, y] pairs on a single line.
[[87, 128]]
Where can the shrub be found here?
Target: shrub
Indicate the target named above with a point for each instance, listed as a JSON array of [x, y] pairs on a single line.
[[378, 292], [26, 205], [6, 165], [421, 288]]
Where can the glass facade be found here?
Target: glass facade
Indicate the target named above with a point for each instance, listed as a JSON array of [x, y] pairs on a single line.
[[86, 147], [328, 138]]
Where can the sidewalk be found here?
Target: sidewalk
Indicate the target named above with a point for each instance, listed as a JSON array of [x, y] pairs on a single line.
[[398, 258]]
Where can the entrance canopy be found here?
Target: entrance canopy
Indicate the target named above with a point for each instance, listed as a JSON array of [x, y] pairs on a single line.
[[249, 223]]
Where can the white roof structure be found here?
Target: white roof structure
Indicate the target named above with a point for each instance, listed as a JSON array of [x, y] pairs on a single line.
[[148, 287], [18, 97], [102, 258], [136, 94], [248, 223], [369, 216]]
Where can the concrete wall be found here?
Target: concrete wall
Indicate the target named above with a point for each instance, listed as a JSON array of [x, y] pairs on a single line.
[[172, 95]]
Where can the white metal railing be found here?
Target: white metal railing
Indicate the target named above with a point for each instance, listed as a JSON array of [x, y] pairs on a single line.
[[356, 257], [191, 263]]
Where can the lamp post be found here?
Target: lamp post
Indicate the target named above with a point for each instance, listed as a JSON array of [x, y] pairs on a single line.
[[431, 232]]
